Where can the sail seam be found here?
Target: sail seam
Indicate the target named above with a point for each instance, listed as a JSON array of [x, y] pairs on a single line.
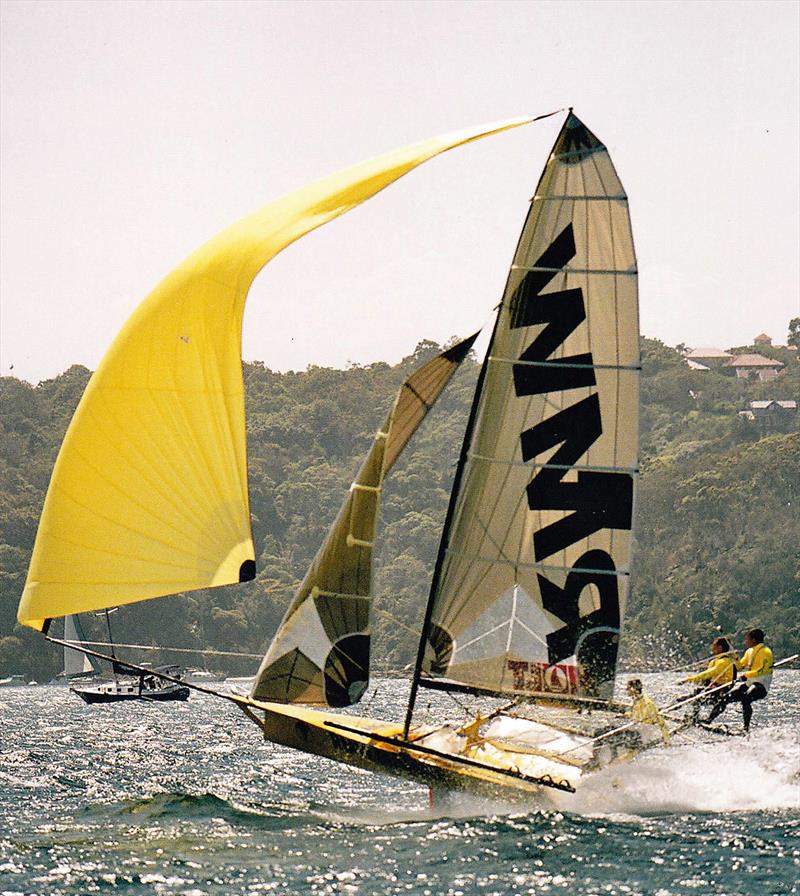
[[577, 153], [577, 197]]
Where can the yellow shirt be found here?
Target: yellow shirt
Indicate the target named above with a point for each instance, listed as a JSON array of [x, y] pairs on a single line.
[[645, 710], [757, 663], [719, 671]]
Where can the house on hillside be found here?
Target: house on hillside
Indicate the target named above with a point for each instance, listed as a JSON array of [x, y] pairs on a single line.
[[749, 367], [695, 365], [706, 358], [762, 339], [771, 416]]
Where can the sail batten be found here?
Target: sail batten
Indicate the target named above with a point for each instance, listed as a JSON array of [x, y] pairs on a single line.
[[633, 471], [533, 571], [544, 567]]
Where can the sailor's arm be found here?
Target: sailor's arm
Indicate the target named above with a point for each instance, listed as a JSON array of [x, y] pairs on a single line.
[[744, 662], [717, 669], [706, 675]]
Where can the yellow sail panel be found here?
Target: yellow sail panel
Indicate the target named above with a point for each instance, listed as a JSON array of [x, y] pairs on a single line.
[[149, 493], [320, 653]]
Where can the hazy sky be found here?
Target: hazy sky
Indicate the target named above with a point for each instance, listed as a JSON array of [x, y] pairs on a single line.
[[133, 132]]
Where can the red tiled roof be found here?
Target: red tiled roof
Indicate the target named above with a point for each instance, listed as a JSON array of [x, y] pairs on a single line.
[[753, 361]]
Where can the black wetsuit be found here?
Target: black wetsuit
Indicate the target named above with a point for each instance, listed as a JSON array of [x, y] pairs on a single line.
[[744, 693], [717, 701]]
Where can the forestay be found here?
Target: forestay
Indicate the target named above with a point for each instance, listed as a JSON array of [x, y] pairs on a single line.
[[532, 579], [149, 492], [320, 653]]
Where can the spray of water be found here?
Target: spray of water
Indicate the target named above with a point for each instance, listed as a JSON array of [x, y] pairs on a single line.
[[761, 772]]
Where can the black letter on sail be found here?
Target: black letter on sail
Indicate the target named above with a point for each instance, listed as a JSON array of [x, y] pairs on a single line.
[[592, 637], [598, 499], [562, 312]]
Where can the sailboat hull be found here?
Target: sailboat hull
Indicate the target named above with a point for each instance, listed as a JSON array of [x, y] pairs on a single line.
[[379, 747], [117, 693]]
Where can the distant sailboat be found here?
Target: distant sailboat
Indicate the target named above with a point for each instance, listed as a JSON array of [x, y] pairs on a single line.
[[531, 581], [146, 686], [77, 663], [125, 682]]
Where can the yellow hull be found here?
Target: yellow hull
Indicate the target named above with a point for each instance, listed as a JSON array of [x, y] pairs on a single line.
[[379, 747]]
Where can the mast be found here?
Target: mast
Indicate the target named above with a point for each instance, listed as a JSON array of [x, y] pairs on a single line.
[[114, 667], [454, 492], [423, 640]]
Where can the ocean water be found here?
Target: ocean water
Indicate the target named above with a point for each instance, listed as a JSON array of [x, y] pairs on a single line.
[[187, 799]]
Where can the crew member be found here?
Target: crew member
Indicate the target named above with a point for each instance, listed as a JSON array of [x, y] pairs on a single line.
[[721, 670], [756, 677], [643, 709]]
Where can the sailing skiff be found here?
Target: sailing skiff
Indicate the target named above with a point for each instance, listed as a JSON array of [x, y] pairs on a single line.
[[149, 493]]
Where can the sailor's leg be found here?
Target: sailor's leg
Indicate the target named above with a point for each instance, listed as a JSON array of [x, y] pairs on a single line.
[[747, 712], [718, 703], [722, 698], [754, 692], [695, 712]]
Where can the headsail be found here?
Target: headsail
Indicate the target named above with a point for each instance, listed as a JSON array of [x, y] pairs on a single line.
[[76, 663], [532, 578], [149, 492], [320, 653]]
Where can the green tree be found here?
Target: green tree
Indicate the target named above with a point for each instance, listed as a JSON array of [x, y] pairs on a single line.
[[794, 332]]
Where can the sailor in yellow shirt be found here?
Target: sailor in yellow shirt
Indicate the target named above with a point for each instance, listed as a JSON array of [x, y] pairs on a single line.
[[721, 670], [643, 709], [625, 742], [756, 677]]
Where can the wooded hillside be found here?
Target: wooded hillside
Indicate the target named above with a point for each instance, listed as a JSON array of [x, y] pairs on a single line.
[[717, 516]]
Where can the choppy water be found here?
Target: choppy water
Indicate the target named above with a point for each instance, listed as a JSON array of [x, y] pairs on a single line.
[[186, 799]]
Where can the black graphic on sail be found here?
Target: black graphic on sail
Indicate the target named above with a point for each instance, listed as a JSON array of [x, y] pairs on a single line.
[[532, 579]]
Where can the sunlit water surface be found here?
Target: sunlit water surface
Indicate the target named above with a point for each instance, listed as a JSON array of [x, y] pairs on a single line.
[[186, 799]]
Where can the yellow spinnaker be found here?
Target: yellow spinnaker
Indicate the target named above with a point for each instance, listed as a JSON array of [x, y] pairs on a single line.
[[149, 493]]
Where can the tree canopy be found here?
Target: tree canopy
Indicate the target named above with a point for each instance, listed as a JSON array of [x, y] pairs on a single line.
[[717, 517]]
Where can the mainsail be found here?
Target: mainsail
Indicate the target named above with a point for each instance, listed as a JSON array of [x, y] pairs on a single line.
[[533, 572], [320, 653], [149, 492]]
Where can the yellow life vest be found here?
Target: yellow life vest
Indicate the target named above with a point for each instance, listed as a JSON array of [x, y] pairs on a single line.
[[719, 671], [645, 710], [757, 664]]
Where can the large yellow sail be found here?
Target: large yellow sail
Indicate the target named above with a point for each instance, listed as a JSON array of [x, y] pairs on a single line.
[[149, 492]]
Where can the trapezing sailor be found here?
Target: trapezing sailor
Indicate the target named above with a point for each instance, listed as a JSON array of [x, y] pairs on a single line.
[[721, 670], [645, 728], [756, 664]]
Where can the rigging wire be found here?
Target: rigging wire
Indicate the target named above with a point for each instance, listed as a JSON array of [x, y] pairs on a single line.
[[200, 650]]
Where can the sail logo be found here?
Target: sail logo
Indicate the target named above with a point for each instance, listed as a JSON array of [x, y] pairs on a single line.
[[539, 678], [596, 500]]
